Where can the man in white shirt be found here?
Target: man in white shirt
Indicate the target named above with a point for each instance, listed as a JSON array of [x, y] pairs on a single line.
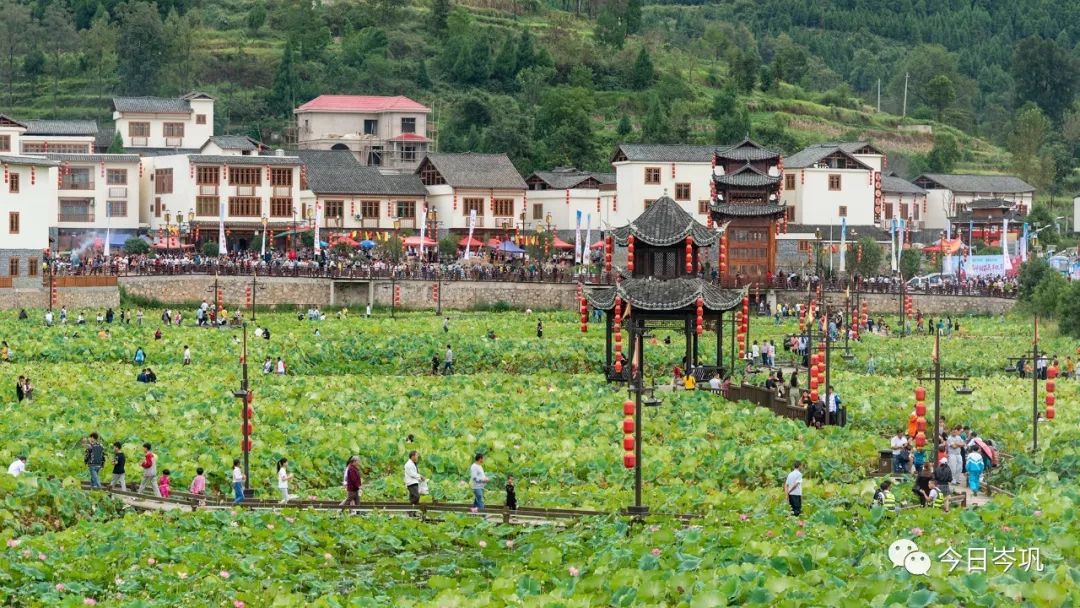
[[413, 478], [755, 353], [18, 467], [478, 480], [714, 382], [897, 443], [793, 489]]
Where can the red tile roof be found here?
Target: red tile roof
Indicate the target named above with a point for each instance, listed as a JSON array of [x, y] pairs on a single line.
[[362, 103], [409, 137]]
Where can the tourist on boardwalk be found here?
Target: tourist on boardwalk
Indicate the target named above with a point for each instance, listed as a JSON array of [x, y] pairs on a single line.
[[956, 459], [198, 485], [478, 480], [975, 467], [413, 478], [95, 459], [17, 466], [935, 498], [922, 484], [793, 489], [943, 475], [832, 401], [897, 444], [149, 467], [353, 482], [163, 484], [283, 477], [511, 493], [237, 482], [119, 466]]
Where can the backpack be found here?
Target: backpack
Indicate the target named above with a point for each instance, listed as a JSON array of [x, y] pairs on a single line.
[[943, 474]]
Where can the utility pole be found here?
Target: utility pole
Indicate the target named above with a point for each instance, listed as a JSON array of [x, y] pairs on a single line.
[[879, 95], [217, 294], [903, 114], [254, 289], [937, 378], [1034, 387]]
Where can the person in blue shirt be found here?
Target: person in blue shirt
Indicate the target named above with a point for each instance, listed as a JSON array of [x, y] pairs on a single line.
[[140, 356]]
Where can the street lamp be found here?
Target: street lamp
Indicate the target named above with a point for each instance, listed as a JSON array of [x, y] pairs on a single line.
[[817, 254], [393, 269], [292, 237]]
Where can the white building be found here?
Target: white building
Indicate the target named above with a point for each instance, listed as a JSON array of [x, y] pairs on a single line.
[[28, 201], [946, 194], [460, 183], [163, 123], [645, 172], [98, 195], [387, 132], [903, 200], [555, 197], [827, 182], [59, 136]]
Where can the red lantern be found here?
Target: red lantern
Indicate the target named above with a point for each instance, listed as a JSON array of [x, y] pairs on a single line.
[[618, 366], [813, 395], [1050, 399], [629, 461], [920, 408], [920, 424], [628, 443], [628, 408], [813, 383], [920, 393], [1049, 383], [1050, 412], [920, 439], [628, 425], [1051, 372]]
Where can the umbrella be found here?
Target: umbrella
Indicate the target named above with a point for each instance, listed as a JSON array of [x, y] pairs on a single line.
[[510, 247], [558, 243], [414, 241], [597, 245], [494, 243], [347, 240], [470, 242], [367, 244]]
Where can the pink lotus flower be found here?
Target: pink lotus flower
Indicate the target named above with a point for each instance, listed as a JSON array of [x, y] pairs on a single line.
[[89, 601], [239, 604], [26, 553], [312, 497], [13, 542], [800, 533], [1037, 513], [510, 544], [770, 533], [151, 561], [655, 551], [574, 571], [60, 587], [802, 523], [41, 556], [482, 544], [224, 574], [473, 510], [743, 517], [916, 531], [327, 556], [654, 528], [269, 526], [1006, 529], [182, 575]]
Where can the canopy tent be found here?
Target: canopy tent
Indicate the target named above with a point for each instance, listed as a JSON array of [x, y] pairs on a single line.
[[510, 247], [494, 243], [558, 243], [367, 244], [597, 245], [414, 241], [171, 242], [351, 242], [470, 242], [948, 246]]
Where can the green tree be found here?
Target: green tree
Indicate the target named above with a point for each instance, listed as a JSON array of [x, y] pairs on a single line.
[[34, 68], [643, 74], [394, 248], [286, 88], [448, 246], [1046, 298], [625, 128], [564, 113], [633, 16], [1041, 218], [730, 118], [790, 61], [610, 29], [255, 19], [910, 261], [1045, 74], [422, 79], [305, 26], [1029, 132], [209, 249], [945, 153], [745, 68], [504, 69], [940, 94], [440, 13], [870, 263], [179, 33], [17, 34], [140, 48], [656, 128], [473, 65], [57, 21], [117, 145], [359, 46], [99, 50], [1069, 311], [1031, 274], [137, 246]]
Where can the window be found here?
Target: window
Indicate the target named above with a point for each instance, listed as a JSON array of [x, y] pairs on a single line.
[[13, 222], [158, 207], [406, 209], [44, 147], [682, 192], [429, 176], [789, 181], [834, 182], [206, 206], [649, 202], [5, 143], [244, 206], [281, 177], [13, 183], [408, 153], [13, 267], [31, 266], [207, 176], [888, 211], [652, 175], [116, 177], [474, 204], [245, 176], [789, 215], [843, 211], [335, 209], [370, 209], [408, 125], [163, 181], [371, 126], [76, 210], [116, 208], [281, 207], [504, 207], [538, 211], [174, 129], [77, 178], [200, 119], [138, 129], [916, 209], [903, 211], [703, 207]]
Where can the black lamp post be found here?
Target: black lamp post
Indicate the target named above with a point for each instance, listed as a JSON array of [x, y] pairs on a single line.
[[393, 269], [246, 397]]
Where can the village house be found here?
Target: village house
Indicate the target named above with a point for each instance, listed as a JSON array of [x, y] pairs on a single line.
[[28, 201], [387, 132], [458, 184], [902, 200], [947, 195], [98, 197], [646, 172], [157, 125], [833, 182], [555, 197]]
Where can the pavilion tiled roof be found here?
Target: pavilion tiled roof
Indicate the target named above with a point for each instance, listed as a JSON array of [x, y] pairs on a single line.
[[990, 203], [239, 159], [665, 223], [94, 158], [811, 155], [747, 176], [981, 218], [747, 150], [671, 294], [27, 160], [235, 142], [747, 210]]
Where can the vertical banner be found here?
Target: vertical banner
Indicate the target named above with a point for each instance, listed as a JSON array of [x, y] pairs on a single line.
[[843, 244], [1005, 263], [577, 239], [892, 243], [1023, 246], [108, 237], [971, 243], [423, 231], [262, 246], [946, 262], [585, 257], [318, 220], [472, 224], [221, 249]]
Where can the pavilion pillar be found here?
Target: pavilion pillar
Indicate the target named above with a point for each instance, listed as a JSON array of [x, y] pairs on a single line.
[[695, 336], [688, 332], [609, 325], [719, 340]]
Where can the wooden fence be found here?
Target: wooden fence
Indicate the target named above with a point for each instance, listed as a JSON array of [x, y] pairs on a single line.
[[84, 281], [762, 397]]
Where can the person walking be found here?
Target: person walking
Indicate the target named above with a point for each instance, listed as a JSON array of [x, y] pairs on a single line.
[[897, 444], [793, 489], [149, 467], [413, 478], [164, 487], [283, 477], [975, 468], [198, 485], [237, 482], [956, 459], [448, 361], [119, 464], [353, 482], [445, 325], [478, 480], [95, 459]]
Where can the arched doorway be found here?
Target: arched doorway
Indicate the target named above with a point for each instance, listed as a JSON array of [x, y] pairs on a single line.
[[339, 147]]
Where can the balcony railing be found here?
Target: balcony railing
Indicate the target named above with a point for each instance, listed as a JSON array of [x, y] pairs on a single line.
[[245, 191], [406, 222], [117, 191], [282, 191], [138, 142], [369, 222], [208, 190], [173, 142], [76, 217]]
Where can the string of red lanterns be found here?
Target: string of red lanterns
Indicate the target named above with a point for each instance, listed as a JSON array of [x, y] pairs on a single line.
[[608, 246], [700, 315], [689, 254], [629, 459], [920, 416], [1051, 373], [630, 253], [616, 329]]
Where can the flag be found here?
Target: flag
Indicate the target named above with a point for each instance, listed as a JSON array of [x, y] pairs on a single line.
[[577, 240], [892, 243], [423, 226], [946, 264], [1005, 245], [843, 244], [472, 224], [108, 237], [971, 242], [222, 249], [318, 220], [1023, 245], [588, 238]]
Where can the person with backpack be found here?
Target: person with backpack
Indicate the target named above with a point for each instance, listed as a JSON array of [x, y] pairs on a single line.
[[149, 467], [94, 459], [943, 475]]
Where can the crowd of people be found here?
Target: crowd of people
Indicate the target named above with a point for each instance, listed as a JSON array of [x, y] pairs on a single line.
[[960, 455]]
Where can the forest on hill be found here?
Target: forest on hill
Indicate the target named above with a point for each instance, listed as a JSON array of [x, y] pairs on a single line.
[[558, 82]]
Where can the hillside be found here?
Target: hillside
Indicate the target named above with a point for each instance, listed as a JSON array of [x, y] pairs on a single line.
[[559, 82]]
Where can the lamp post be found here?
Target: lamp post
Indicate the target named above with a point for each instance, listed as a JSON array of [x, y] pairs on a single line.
[[393, 269], [551, 235], [168, 227], [246, 397], [191, 227]]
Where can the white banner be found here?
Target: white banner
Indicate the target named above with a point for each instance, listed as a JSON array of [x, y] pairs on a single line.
[[1005, 244], [423, 227], [472, 224], [843, 244], [946, 263], [318, 220], [585, 257], [892, 243], [221, 249], [985, 266], [108, 237], [577, 240]]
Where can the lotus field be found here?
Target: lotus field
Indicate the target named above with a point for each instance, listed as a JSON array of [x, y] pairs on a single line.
[[541, 411]]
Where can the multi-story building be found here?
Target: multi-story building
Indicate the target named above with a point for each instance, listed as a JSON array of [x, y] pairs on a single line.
[[353, 197], [645, 172], [947, 194], [903, 200], [97, 196], [28, 201], [387, 132], [555, 197], [827, 183], [43, 136], [458, 184], [152, 124]]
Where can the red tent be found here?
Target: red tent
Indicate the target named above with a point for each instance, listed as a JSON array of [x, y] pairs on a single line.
[[171, 243], [351, 242], [950, 247], [472, 243], [494, 243], [414, 241], [558, 243], [597, 245]]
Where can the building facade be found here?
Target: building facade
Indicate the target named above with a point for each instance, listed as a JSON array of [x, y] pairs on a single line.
[[831, 183], [646, 172], [387, 132], [458, 184], [97, 197], [555, 197], [902, 200], [163, 123], [28, 200], [947, 193]]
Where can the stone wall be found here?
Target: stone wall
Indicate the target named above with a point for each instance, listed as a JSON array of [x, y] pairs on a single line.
[[272, 291], [889, 304], [74, 298], [461, 295]]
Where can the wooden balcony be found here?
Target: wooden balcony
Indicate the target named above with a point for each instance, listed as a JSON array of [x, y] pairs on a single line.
[[76, 217]]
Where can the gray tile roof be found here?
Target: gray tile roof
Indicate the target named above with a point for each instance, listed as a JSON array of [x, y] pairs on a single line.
[[748, 210], [94, 158], [746, 176], [981, 218], [235, 142], [104, 139], [163, 151], [1000, 184], [562, 179], [879, 235], [61, 127], [810, 155], [665, 223], [899, 185], [671, 294], [674, 153], [747, 150], [852, 146], [27, 160], [477, 170], [990, 203], [338, 172], [222, 159], [152, 105]]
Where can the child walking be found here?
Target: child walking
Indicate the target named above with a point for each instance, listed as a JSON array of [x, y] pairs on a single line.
[[283, 477], [198, 485], [163, 483]]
